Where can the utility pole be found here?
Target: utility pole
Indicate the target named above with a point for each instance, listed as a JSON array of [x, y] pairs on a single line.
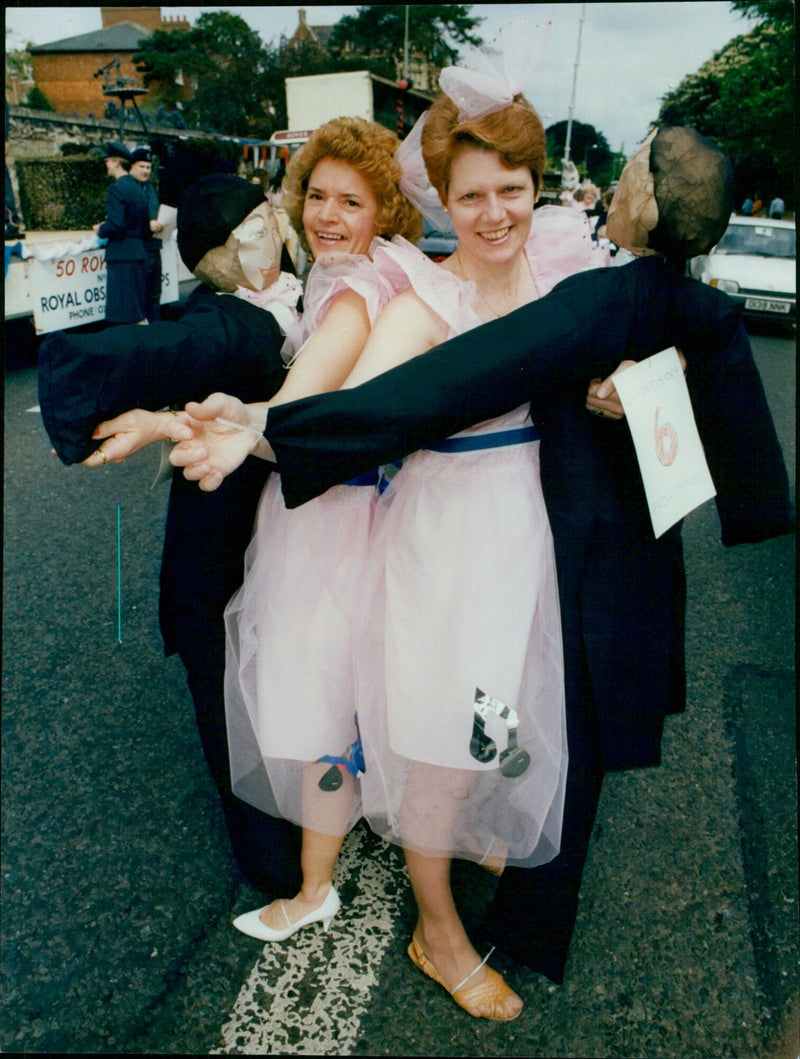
[[405, 50], [574, 83]]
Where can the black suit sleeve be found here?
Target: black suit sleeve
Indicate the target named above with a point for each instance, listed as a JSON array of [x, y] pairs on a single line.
[[330, 438], [220, 343], [583, 328]]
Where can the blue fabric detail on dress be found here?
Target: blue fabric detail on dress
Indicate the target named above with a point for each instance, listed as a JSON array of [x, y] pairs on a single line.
[[380, 478], [353, 758], [367, 478], [496, 440], [386, 473]]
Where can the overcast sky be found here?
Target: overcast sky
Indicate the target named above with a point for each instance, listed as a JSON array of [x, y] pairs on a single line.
[[631, 53]]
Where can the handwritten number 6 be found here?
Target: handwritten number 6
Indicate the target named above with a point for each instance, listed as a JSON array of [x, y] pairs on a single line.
[[666, 442]]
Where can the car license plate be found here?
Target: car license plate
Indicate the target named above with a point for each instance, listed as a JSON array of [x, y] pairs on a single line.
[[766, 305]]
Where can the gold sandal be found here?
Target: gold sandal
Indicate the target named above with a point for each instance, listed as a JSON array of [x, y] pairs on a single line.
[[490, 993]]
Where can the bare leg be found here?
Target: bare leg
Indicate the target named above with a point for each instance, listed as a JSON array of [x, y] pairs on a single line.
[[328, 809], [441, 935]]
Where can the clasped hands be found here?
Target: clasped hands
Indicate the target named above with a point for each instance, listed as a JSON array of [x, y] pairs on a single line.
[[217, 449], [207, 449], [225, 431]]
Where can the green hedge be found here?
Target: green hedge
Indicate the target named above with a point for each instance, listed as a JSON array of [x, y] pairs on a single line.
[[62, 194]]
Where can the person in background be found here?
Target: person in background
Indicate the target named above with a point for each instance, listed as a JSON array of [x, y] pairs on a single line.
[[776, 208], [601, 210], [280, 170], [126, 227], [590, 196], [141, 169], [261, 177]]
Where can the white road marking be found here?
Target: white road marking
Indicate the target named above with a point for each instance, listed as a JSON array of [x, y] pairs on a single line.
[[307, 995], [35, 408]]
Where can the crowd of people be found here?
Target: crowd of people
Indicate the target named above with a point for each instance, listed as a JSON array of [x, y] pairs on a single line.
[[754, 207], [444, 611]]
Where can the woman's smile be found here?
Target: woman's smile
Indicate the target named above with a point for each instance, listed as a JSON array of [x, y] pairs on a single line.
[[340, 209], [491, 206]]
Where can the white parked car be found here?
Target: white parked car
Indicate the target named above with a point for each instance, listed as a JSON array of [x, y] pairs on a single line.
[[755, 263]]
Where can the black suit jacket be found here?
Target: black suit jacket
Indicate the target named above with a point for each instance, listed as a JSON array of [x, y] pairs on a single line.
[[622, 592], [220, 343]]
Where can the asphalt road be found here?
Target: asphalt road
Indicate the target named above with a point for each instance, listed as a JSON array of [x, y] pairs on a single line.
[[118, 887]]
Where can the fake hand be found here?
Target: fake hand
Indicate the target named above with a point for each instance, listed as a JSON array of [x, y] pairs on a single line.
[[216, 449], [131, 431], [603, 399]]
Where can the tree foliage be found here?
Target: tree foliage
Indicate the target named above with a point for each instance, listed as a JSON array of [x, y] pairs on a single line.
[[435, 30], [37, 100], [239, 82], [743, 99], [780, 12], [227, 61], [588, 149]]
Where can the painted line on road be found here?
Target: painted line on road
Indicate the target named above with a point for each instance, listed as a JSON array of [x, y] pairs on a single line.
[[34, 408], [307, 996]]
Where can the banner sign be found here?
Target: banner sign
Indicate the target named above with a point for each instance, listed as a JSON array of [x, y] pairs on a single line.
[[69, 291], [670, 454]]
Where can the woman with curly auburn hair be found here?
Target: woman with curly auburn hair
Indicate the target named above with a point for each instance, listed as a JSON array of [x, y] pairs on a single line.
[[370, 150], [289, 692]]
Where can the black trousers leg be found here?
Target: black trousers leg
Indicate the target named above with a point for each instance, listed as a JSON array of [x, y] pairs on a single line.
[[267, 849], [533, 914]]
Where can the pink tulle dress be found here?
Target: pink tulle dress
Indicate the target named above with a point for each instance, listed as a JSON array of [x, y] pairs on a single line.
[[458, 644], [289, 680]]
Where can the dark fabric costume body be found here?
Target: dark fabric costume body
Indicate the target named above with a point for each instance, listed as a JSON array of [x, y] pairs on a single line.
[[220, 343], [126, 227], [622, 592]]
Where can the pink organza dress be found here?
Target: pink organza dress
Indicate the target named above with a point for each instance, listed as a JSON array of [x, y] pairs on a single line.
[[458, 646], [289, 680]]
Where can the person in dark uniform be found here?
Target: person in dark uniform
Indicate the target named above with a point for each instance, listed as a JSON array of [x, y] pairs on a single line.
[[126, 226], [220, 340], [141, 168]]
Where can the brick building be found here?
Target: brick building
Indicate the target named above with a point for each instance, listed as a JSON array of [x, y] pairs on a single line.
[[65, 71]]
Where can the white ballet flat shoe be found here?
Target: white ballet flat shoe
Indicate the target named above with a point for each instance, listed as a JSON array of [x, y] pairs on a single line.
[[254, 927]]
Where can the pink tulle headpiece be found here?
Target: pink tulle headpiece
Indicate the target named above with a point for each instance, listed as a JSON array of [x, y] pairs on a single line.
[[487, 81]]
